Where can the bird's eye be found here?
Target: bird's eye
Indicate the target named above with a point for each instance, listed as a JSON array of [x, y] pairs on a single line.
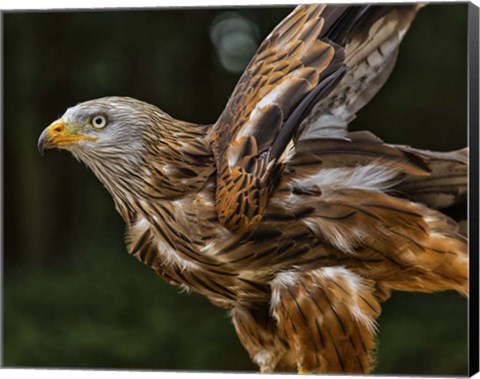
[[98, 122]]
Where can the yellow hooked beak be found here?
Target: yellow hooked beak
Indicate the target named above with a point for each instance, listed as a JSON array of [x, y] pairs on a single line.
[[57, 136]]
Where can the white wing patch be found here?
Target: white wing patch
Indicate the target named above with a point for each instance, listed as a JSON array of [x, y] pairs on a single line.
[[372, 176]]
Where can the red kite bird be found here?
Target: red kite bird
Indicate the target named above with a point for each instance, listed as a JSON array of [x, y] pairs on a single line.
[[276, 212]]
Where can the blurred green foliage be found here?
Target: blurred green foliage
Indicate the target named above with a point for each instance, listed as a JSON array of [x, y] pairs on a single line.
[[73, 297]]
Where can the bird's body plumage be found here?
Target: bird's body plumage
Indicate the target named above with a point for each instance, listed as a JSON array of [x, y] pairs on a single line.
[[276, 212]]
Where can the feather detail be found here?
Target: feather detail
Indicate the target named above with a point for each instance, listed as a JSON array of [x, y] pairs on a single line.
[[328, 318], [370, 54], [447, 184]]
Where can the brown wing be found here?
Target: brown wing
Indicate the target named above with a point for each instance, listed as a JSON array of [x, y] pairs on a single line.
[[251, 134], [370, 55], [296, 67]]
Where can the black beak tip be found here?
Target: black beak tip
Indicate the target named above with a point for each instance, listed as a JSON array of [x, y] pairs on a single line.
[[42, 142], [40, 148]]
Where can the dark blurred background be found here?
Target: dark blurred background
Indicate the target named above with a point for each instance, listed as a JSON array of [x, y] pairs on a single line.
[[73, 297]]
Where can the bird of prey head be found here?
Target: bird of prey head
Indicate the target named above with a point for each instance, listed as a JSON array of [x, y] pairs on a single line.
[[114, 137], [101, 127]]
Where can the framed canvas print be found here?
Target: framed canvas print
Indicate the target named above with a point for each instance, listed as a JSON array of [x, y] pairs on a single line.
[[254, 189]]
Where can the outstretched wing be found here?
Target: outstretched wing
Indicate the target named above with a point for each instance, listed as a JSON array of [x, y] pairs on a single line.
[[370, 55], [251, 134], [295, 69]]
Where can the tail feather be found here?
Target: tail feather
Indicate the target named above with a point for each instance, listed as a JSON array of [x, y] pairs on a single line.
[[447, 184]]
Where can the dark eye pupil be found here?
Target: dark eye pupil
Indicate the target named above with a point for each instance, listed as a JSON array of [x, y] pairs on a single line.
[[98, 121]]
